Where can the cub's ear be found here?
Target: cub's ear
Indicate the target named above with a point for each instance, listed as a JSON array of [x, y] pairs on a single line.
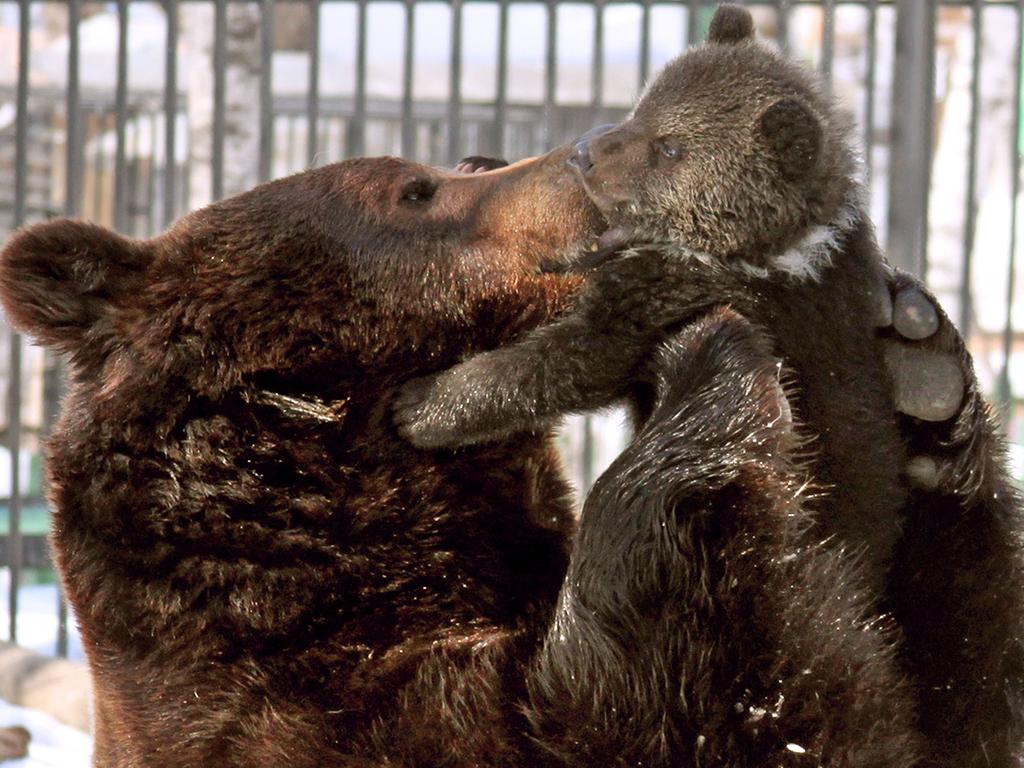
[[731, 24], [793, 135], [62, 281]]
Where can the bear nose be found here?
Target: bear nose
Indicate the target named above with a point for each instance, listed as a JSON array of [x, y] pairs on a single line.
[[580, 157]]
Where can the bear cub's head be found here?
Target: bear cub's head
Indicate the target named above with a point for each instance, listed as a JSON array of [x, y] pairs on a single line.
[[733, 151]]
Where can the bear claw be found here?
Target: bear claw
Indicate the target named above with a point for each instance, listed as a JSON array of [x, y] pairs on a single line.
[[479, 164]]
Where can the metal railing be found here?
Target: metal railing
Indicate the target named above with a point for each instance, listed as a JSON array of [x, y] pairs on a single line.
[[104, 147]]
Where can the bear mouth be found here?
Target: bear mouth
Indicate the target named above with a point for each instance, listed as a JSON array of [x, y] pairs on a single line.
[[607, 245], [612, 205]]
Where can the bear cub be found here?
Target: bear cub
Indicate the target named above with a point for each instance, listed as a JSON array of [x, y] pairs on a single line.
[[736, 172]]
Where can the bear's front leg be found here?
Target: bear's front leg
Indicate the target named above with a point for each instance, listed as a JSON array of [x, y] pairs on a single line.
[[697, 624]]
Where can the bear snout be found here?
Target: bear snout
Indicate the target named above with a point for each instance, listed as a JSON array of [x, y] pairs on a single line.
[[579, 158]]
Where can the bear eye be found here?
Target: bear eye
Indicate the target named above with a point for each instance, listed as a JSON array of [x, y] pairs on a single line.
[[418, 191], [669, 149]]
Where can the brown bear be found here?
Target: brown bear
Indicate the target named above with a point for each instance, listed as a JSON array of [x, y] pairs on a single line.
[[738, 171], [265, 574]]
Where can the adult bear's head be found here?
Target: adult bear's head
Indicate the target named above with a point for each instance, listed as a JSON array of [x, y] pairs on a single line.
[[369, 265]]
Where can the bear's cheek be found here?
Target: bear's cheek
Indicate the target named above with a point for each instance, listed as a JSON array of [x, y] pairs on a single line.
[[524, 241]]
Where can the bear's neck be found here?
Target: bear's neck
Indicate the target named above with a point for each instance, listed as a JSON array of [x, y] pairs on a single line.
[[812, 250]]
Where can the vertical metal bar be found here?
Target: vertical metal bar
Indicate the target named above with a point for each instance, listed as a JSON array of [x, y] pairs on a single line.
[[870, 76], [828, 39], [408, 126], [170, 108], [121, 118], [266, 87], [971, 202], [97, 124], [911, 133], [72, 154], [501, 86], [62, 622], [645, 44], [153, 224], [587, 455], [14, 364], [291, 143], [183, 187], [21, 119], [550, 73], [455, 86], [132, 174], [928, 131], [782, 11], [53, 386], [313, 96], [693, 22], [357, 128], [220, 55], [14, 446], [597, 68], [1011, 277], [276, 163]]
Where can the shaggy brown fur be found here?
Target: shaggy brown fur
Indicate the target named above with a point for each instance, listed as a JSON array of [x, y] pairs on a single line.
[[735, 160], [264, 573]]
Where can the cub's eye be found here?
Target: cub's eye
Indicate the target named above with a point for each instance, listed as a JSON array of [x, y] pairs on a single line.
[[670, 149], [418, 191]]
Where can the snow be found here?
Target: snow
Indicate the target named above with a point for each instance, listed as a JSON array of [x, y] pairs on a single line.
[[53, 745]]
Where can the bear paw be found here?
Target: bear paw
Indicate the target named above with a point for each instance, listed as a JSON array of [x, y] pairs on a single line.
[[416, 421]]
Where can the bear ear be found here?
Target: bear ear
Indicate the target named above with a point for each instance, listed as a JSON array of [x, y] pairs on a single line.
[[730, 25], [61, 281], [793, 135]]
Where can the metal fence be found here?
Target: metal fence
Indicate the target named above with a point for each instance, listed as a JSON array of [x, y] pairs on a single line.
[[94, 123]]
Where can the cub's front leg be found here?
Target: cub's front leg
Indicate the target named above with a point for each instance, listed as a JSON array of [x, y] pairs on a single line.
[[583, 361]]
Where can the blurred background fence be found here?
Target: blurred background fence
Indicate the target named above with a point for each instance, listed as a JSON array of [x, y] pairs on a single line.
[[130, 113]]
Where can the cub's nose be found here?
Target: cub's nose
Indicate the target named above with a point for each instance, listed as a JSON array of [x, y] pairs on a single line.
[[580, 157]]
